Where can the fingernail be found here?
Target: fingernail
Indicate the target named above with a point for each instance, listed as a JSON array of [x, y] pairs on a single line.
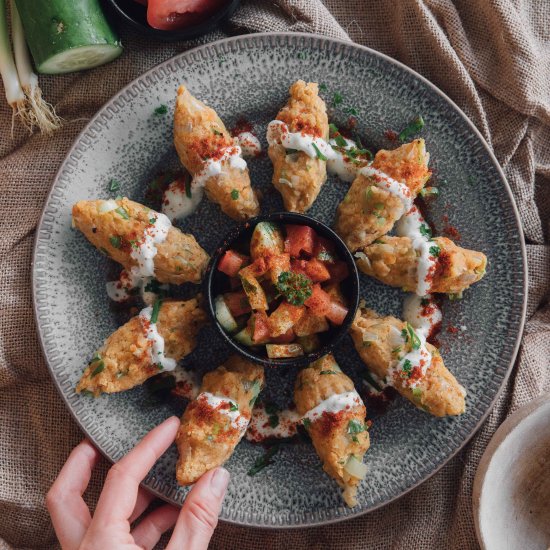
[[219, 481]]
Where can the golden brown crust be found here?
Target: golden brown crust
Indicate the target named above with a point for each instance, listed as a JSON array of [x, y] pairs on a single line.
[[393, 261], [206, 438], [179, 259], [199, 135], [368, 211], [126, 356], [330, 434], [304, 112], [438, 391]]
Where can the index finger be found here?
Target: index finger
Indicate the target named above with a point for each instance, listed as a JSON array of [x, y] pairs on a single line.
[[118, 498]]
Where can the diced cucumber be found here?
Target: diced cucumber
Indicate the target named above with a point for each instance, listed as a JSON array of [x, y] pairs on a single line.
[[278, 351], [310, 324], [244, 337], [223, 315], [267, 239], [310, 343], [66, 36]]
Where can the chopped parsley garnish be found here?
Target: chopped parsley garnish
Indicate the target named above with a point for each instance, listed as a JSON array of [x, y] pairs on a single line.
[[323, 87], [114, 185], [115, 241], [337, 99], [122, 212], [351, 111], [216, 132], [234, 194], [333, 129], [156, 309], [188, 188], [328, 372], [306, 422], [234, 407], [302, 55], [340, 141], [472, 180], [100, 367], [264, 460], [295, 287], [221, 60], [406, 369], [161, 110], [152, 221], [355, 427], [415, 126], [396, 350], [425, 231], [435, 250], [409, 335], [318, 152]]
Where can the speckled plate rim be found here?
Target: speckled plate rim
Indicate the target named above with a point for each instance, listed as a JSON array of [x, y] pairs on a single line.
[[104, 110]]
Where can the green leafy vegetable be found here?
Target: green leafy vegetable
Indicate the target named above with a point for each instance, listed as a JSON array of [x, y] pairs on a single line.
[[295, 287], [415, 126], [122, 212], [188, 193], [161, 110], [355, 427]]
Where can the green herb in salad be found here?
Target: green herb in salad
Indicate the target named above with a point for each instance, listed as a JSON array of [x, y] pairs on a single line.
[[295, 287]]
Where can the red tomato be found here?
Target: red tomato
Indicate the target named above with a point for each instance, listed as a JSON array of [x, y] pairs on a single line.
[[237, 302], [319, 301], [338, 271], [299, 238], [336, 313], [175, 14], [231, 263], [285, 338], [260, 326], [312, 269]]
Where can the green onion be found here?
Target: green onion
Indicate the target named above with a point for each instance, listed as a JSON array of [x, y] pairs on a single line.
[[351, 111], [355, 427], [425, 231], [234, 194], [417, 394], [409, 335], [161, 110], [156, 309], [255, 389], [115, 241], [188, 188], [234, 407], [114, 185], [333, 129], [318, 152], [435, 250], [337, 99], [396, 350], [122, 212], [415, 126], [216, 132], [340, 141], [323, 87], [264, 460], [429, 192], [100, 367], [407, 369]]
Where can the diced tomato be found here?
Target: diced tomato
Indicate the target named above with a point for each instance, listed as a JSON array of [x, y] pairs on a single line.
[[260, 326], [324, 250], [312, 269], [299, 238], [231, 263], [237, 302], [338, 271], [285, 338], [319, 301], [175, 14], [336, 313]]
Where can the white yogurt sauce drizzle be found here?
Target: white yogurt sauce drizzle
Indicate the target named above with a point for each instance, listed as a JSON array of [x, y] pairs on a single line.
[[394, 187], [341, 165], [422, 313], [120, 290], [278, 133], [224, 405], [175, 202], [409, 225], [157, 341], [334, 404], [261, 429], [249, 144]]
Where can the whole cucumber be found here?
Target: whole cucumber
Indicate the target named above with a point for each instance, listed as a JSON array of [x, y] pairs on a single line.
[[67, 35]]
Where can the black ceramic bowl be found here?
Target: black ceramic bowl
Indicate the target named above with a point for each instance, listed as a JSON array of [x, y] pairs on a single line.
[[135, 14], [217, 282]]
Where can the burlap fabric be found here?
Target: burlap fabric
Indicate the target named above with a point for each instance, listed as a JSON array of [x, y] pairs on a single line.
[[492, 58]]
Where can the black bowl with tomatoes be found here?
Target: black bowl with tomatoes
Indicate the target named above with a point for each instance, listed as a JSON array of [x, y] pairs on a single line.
[[282, 289]]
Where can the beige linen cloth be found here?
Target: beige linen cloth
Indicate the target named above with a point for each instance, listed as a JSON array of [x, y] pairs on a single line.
[[491, 57]]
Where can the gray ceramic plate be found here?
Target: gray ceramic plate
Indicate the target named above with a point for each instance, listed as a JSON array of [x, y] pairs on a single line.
[[249, 76]]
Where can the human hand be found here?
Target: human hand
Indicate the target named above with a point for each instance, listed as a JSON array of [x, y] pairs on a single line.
[[122, 501]]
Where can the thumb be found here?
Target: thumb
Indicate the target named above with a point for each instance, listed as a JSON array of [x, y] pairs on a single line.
[[199, 515]]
